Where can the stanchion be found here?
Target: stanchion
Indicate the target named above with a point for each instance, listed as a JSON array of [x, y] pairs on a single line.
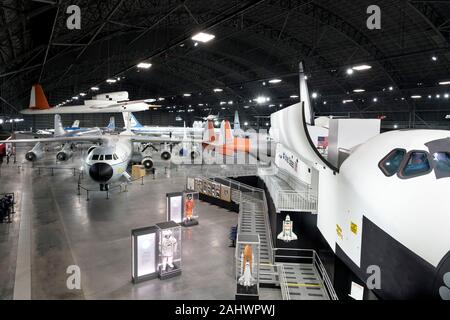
[[107, 194], [142, 181], [87, 195]]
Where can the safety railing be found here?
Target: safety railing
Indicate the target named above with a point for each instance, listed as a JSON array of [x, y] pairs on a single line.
[[283, 282], [302, 199], [308, 256]]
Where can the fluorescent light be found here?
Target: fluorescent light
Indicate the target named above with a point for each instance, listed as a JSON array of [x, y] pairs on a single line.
[[294, 97], [203, 37], [314, 95], [375, 99], [447, 117], [391, 88], [324, 102], [350, 71], [161, 99], [246, 107], [347, 101], [218, 90], [416, 97], [444, 83], [75, 98], [429, 96], [261, 99], [362, 67], [359, 90], [186, 94], [434, 58], [273, 81], [438, 96], [95, 88], [82, 94], [446, 96], [1, 121], [395, 126], [245, 123], [111, 80], [144, 65], [230, 102]]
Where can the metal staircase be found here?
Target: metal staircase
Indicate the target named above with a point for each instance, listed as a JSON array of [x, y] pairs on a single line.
[[305, 280]]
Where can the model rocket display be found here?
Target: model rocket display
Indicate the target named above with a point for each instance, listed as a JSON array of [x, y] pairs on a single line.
[[287, 234], [247, 279]]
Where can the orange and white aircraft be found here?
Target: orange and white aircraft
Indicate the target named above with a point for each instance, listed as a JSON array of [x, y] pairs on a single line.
[[102, 103]]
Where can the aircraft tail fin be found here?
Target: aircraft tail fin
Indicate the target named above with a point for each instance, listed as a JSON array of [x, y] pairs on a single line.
[[59, 129], [129, 117], [76, 124], [208, 132], [112, 124], [237, 123], [226, 136], [38, 100]]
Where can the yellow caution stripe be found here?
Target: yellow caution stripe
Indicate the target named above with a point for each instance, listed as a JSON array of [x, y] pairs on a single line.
[[303, 285]]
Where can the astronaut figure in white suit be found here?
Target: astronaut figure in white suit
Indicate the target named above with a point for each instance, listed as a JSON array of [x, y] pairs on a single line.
[[168, 249]]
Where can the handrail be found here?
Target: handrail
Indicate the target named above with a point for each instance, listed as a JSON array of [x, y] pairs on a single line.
[[283, 282]]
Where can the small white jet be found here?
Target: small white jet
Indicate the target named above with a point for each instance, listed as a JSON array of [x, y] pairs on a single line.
[[102, 103]]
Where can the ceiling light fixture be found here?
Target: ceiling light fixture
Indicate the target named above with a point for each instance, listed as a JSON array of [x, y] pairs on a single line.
[[144, 65], [416, 97], [444, 83], [203, 37], [362, 67], [359, 90], [274, 81], [218, 90]]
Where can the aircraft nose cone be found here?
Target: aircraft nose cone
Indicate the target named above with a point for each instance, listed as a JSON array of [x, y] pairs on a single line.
[[101, 172]]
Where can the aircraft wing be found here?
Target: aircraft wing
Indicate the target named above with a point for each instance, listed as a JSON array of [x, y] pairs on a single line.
[[139, 138], [129, 106], [58, 139]]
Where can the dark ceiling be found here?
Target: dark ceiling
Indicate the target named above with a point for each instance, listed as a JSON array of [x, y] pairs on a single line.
[[255, 41]]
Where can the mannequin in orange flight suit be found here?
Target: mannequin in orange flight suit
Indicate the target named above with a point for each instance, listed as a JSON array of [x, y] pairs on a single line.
[[189, 207]]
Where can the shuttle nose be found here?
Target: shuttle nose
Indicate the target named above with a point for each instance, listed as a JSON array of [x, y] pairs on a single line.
[[101, 172]]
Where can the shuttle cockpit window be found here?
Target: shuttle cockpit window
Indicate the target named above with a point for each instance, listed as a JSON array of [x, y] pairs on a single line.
[[391, 163], [108, 157], [417, 164], [442, 164], [95, 157], [100, 158], [115, 157]]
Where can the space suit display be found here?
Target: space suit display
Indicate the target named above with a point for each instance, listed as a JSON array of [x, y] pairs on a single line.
[[168, 249]]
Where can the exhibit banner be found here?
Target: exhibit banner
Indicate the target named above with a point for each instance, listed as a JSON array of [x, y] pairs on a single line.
[[291, 163], [175, 207], [144, 258]]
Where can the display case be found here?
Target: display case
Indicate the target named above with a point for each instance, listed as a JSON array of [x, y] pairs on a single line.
[[247, 266], [175, 206], [190, 216], [144, 254], [169, 249]]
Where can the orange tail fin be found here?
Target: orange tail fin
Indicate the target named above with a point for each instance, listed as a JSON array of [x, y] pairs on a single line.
[[38, 100]]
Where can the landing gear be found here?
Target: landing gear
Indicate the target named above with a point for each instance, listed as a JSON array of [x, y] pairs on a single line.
[[104, 187]]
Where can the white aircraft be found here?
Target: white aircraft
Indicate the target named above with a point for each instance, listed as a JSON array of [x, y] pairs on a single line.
[[102, 103], [387, 205], [136, 127], [107, 162]]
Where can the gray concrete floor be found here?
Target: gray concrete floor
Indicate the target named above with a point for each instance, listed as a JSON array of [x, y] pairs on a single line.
[[95, 235]]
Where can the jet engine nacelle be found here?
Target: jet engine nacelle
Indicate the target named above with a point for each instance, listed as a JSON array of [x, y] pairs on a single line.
[[147, 162], [36, 153], [166, 155], [65, 154], [195, 153]]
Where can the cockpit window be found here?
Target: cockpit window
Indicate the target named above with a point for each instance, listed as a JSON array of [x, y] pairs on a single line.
[[416, 165], [391, 163], [108, 157], [101, 157], [115, 157], [95, 157], [442, 162]]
